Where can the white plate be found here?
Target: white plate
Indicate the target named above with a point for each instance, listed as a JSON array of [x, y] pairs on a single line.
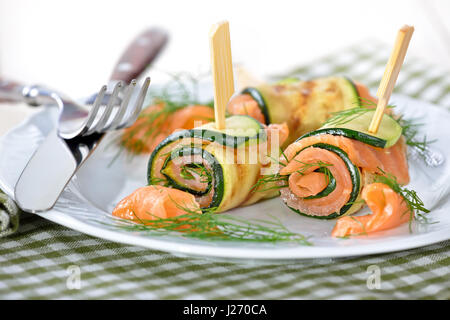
[[87, 202]]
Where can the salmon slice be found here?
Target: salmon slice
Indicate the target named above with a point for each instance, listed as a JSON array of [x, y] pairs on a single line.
[[305, 185], [190, 117], [364, 93], [323, 206], [281, 130], [244, 104], [391, 160], [153, 202], [389, 210], [155, 124]]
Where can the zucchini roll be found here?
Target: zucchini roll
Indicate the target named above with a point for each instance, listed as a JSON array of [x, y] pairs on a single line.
[[303, 105], [220, 168], [325, 170]]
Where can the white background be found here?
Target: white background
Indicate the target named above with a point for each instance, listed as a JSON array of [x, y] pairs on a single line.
[[72, 45]]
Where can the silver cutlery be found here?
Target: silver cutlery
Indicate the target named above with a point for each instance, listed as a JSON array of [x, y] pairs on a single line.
[[80, 127], [66, 148], [138, 56]]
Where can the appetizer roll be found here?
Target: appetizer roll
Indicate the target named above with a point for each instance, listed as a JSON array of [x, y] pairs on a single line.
[[220, 168], [158, 121], [303, 105], [324, 171]]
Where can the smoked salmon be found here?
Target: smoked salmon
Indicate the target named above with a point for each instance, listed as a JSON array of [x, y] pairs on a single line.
[[155, 123], [153, 202], [325, 173], [244, 104], [391, 160], [219, 168], [389, 210]]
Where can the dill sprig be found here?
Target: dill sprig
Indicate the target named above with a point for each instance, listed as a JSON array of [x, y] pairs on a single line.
[[158, 181], [410, 130], [180, 92], [211, 226], [270, 182], [308, 165], [277, 181], [189, 171], [348, 115], [345, 116], [409, 127], [416, 207]]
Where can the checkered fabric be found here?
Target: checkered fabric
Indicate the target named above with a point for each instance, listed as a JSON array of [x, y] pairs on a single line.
[[45, 261]]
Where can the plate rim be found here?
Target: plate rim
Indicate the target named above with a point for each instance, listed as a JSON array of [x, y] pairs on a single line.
[[199, 250], [295, 253]]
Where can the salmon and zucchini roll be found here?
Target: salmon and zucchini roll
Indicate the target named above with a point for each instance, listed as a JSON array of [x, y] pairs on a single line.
[[324, 172], [220, 168], [158, 121], [302, 105]]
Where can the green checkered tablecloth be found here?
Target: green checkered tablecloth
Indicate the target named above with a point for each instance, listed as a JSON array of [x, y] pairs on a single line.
[[45, 260]]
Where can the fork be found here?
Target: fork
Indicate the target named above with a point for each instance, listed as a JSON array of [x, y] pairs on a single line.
[[78, 133], [75, 120]]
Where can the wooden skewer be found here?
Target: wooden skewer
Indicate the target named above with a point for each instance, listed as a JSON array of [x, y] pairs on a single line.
[[222, 70], [391, 74]]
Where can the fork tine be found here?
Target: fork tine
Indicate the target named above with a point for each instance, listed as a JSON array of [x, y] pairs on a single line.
[[105, 116], [138, 106], [123, 107], [94, 110]]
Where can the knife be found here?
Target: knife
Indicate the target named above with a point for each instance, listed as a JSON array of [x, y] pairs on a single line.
[[50, 169], [37, 190], [144, 49], [136, 58]]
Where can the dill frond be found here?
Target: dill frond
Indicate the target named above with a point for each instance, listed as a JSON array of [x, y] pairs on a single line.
[[177, 94], [277, 181], [270, 182], [410, 130], [348, 115], [210, 226], [415, 205]]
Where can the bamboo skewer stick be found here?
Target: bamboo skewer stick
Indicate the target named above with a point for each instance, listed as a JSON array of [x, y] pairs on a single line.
[[222, 70], [391, 74]]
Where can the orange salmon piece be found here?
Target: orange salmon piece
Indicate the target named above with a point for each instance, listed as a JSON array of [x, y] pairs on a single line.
[[319, 206], [364, 93], [389, 210], [153, 202], [305, 185], [191, 117], [154, 125], [392, 160], [244, 104], [281, 129]]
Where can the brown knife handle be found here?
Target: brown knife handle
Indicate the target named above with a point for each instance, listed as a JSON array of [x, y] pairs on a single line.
[[139, 54], [10, 91]]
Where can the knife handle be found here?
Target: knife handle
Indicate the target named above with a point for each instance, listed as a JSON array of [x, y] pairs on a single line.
[[35, 95], [10, 91], [139, 54]]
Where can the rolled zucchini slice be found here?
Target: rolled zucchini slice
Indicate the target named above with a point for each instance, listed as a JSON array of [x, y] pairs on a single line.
[[304, 105], [218, 168], [356, 127], [334, 200]]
